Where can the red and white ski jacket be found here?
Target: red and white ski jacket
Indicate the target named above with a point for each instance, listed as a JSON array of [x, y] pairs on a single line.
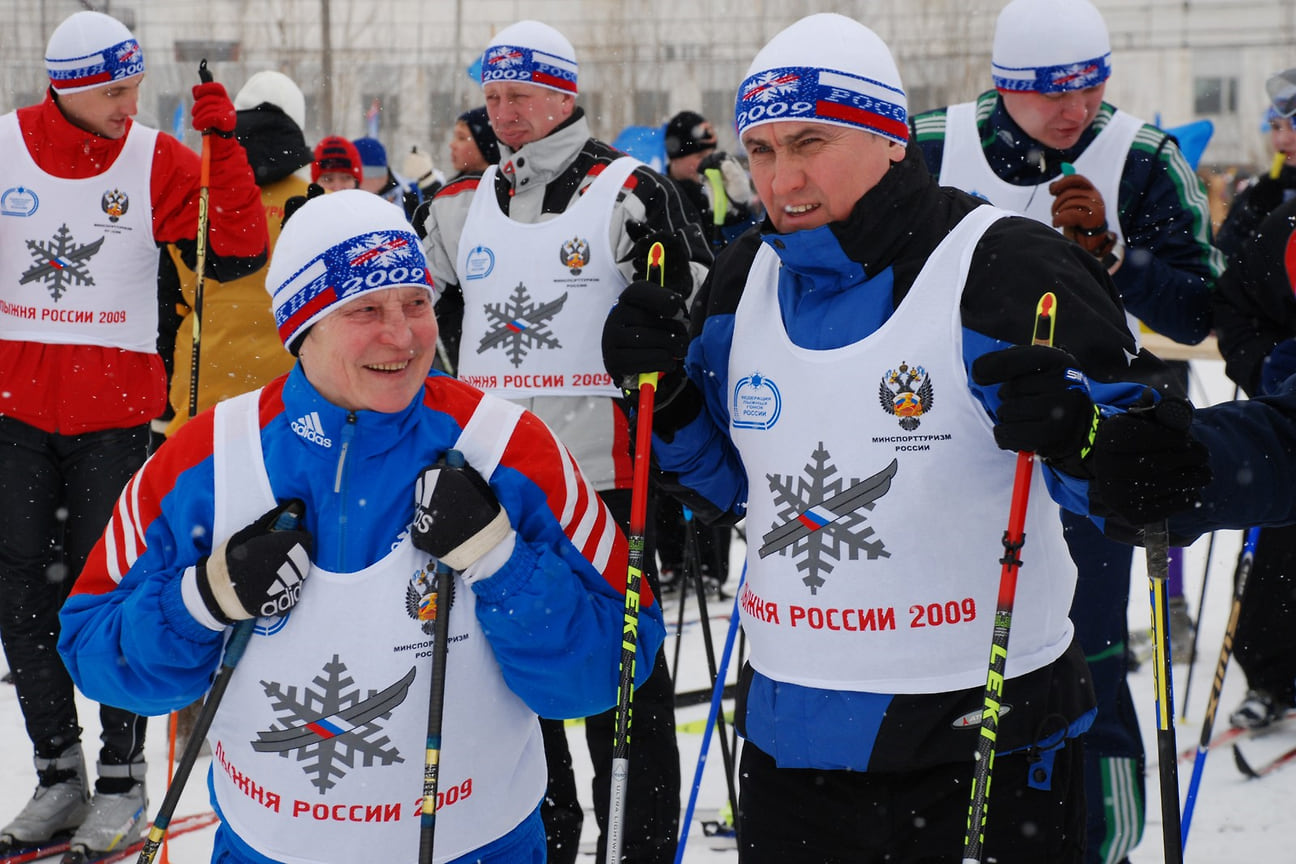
[[71, 388]]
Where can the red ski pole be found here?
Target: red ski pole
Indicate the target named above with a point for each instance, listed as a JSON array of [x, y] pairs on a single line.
[[1013, 540], [634, 573]]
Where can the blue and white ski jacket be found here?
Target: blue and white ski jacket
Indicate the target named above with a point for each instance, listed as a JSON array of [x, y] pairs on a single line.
[[552, 614]]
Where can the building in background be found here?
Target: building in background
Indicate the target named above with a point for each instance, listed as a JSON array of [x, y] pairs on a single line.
[[1179, 60]]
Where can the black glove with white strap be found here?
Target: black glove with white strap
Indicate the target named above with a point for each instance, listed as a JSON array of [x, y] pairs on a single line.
[[259, 571], [458, 519]]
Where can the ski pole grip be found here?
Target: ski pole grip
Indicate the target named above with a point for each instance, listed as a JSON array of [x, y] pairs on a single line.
[[288, 520], [204, 74]]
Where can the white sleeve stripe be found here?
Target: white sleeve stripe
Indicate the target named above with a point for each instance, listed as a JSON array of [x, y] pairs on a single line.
[[569, 483], [487, 433], [603, 552]]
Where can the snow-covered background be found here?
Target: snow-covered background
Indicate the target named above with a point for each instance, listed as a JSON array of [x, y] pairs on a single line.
[[1235, 818]]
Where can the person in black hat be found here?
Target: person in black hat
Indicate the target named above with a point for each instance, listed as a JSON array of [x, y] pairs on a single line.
[[474, 146], [714, 182]]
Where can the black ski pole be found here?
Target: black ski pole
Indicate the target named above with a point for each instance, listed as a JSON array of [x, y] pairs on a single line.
[[1192, 650], [436, 700], [1201, 606], [691, 552], [234, 648], [1245, 562], [200, 242], [1156, 541], [679, 618]]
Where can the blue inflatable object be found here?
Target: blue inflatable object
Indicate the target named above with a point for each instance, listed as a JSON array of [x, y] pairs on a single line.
[[645, 143], [1193, 138]]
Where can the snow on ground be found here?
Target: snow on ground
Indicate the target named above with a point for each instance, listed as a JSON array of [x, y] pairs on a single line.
[[1235, 817]]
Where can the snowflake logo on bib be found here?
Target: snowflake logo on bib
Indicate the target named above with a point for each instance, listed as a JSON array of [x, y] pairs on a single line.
[[906, 392], [818, 519], [328, 723], [520, 325], [60, 263]]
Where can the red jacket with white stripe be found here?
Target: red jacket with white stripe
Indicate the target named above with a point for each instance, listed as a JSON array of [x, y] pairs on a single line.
[[73, 389]]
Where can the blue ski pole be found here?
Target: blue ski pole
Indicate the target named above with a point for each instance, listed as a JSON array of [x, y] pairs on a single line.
[[717, 696]]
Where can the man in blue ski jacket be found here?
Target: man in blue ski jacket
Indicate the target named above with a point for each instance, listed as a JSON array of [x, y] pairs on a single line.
[[1046, 144]]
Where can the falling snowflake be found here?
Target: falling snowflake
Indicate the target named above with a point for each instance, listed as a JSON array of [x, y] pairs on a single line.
[[331, 723], [520, 325], [60, 263], [819, 517]]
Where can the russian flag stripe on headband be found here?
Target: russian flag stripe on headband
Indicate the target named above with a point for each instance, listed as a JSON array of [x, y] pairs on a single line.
[[368, 262], [517, 63], [112, 64], [805, 93], [1053, 79]]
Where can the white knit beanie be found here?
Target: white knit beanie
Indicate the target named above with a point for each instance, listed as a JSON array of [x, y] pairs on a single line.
[[334, 249], [1050, 46], [277, 89], [91, 49], [829, 69], [532, 53]]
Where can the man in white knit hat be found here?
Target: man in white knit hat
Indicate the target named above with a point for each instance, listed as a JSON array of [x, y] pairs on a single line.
[[533, 252], [1044, 143], [839, 391], [86, 196]]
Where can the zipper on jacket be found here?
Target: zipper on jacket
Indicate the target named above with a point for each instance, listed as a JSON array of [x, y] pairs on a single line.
[[348, 433]]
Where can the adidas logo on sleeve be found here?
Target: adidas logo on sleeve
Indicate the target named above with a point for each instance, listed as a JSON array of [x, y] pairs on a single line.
[[308, 426]]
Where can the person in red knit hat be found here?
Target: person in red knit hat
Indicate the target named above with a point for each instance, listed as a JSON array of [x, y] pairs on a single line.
[[337, 164]]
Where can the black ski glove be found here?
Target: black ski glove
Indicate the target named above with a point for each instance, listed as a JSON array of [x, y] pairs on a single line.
[[293, 204], [678, 275], [1278, 367], [457, 518], [1145, 465], [258, 572], [1044, 403], [647, 331], [1265, 195]]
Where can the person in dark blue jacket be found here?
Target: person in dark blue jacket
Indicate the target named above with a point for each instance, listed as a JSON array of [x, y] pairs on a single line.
[[1045, 143], [840, 391], [319, 740]]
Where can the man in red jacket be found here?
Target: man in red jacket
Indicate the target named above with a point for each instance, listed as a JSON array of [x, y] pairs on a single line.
[[86, 198]]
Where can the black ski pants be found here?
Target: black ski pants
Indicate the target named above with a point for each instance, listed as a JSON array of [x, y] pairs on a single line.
[[1263, 643], [57, 493], [912, 817]]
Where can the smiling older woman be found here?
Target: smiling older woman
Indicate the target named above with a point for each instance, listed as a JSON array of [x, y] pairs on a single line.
[[345, 433]]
